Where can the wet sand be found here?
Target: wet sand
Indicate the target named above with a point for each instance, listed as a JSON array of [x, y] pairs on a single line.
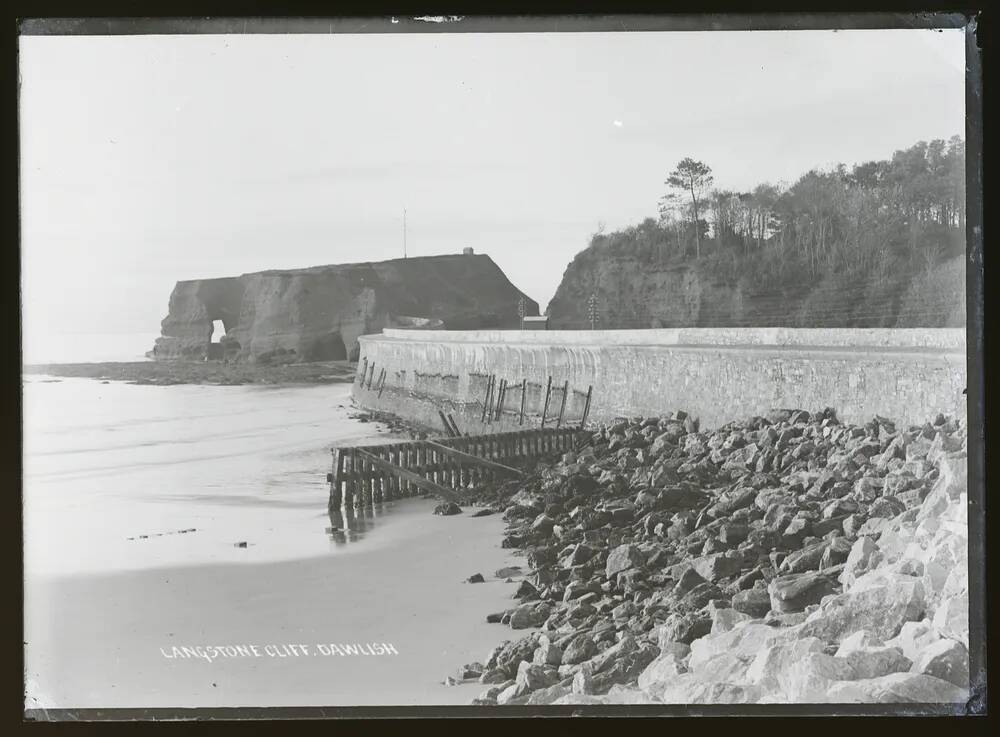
[[167, 373], [114, 472], [94, 640]]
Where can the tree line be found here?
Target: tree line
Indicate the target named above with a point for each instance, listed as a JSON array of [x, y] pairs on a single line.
[[907, 212]]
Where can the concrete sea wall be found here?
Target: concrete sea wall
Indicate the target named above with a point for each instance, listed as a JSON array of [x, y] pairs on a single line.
[[715, 374]]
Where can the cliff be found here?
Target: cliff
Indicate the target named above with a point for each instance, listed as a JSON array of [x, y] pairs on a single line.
[[317, 314], [634, 291]]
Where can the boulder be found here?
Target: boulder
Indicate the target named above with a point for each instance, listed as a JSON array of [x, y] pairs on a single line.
[[580, 648], [808, 679], [548, 695], [683, 628], [447, 508], [863, 557], [881, 608], [718, 566], [795, 591], [528, 615], [951, 619], [945, 659], [622, 558], [897, 688], [770, 663], [661, 672], [542, 525], [724, 619], [531, 677], [875, 662], [548, 653], [755, 602], [686, 689]]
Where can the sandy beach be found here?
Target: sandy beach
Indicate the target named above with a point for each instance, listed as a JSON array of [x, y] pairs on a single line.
[[95, 640], [114, 473]]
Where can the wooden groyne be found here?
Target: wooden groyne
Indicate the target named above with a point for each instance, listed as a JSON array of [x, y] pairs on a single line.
[[370, 474], [494, 403]]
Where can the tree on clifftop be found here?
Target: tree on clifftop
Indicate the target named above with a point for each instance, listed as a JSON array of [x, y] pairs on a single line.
[[694, 178]]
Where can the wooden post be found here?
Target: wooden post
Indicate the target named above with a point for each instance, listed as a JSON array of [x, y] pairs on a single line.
[[381, 386], [562, 407], [454, 426], [371, 376], [364, 371], [524, 392], [586, 407], [444, 421], [486, 396], [352, 484], [501, 396], [548, 393], [336, 496]]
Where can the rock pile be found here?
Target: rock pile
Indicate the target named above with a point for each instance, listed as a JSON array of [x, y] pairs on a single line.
[[785, 559]]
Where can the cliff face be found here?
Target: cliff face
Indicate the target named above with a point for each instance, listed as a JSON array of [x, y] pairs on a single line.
[[317, 314], [637, 293]]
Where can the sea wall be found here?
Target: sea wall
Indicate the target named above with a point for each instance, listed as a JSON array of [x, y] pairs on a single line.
[[715, 374]]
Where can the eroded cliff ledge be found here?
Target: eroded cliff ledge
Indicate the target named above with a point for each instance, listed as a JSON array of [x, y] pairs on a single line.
[[317, 313], [634, 291]]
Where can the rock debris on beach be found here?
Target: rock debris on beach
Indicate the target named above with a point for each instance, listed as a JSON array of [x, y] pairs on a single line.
[[786, 559]]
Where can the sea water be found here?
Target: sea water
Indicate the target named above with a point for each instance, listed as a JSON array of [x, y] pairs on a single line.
[[193, 516]]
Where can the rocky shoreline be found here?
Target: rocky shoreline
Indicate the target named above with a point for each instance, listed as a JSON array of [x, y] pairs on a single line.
[[168, 373], [785, 559]]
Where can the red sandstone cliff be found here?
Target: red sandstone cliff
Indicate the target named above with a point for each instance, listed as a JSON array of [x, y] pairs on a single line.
[[317, 313]]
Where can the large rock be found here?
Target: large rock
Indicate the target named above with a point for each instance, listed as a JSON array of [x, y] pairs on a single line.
[[317, 313], [687, 689], [796, 591], [771, 663], [532, 677], [897, 688], [809, 679], [529, 615], [721, 565], [622, 558], [755, 602], [864, 555], [882, 608], [661, 672], [745, 640], [875, 662], [683, 628], [945, 659], [580, 648]]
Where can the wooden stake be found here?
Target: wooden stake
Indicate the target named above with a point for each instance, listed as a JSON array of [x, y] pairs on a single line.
[[447, 425], [501, 396], [486, 396], [562, 407], [586, 407], [548, 393]]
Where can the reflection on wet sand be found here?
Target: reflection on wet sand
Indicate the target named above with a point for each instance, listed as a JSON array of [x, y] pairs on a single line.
[[350, 524]]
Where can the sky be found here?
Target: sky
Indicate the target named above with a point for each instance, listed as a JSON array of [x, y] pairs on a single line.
[[150, 159]]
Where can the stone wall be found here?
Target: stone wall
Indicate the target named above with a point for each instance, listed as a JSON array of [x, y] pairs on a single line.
[[717, 375]]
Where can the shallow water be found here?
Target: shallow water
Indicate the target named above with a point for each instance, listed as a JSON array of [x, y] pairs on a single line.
[[135, 501]]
